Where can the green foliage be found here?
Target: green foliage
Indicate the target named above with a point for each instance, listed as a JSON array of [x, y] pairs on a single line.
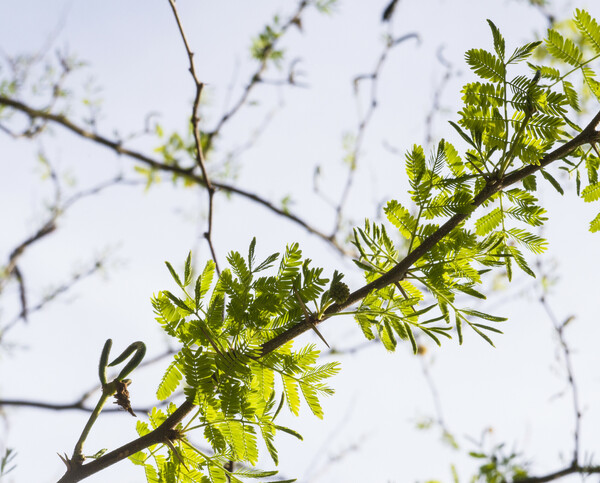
[[7, 462], [263, 46], [462, 220], [507, 123], [498, 467], [221, 321]]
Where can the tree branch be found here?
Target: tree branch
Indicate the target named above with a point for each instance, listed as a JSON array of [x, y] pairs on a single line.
[[188, 173], [573, 469], [195, 120], [159, 435], [589, 135]]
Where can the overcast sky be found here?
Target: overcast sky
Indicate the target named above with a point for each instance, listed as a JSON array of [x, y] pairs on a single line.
[[137, 66]]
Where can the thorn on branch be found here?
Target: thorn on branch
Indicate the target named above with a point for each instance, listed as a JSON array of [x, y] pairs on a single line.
[[122, 395]]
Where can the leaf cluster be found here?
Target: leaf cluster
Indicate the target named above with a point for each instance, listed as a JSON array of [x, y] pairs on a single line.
[[508, 122], [221, 323]]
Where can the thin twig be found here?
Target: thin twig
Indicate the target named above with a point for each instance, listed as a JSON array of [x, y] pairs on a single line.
[[434, 395], [256, 77], [308, 317], [195, 120], [559, 329], [364, 120], [185, 172], [435, 107]]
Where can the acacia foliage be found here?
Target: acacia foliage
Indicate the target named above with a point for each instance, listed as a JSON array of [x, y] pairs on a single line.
[[510, 120]]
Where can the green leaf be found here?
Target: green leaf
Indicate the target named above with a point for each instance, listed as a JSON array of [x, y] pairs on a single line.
[[204, 281], [591, 192], [482, 315], [188, 270], [174, 274], [482, 334], [472, 292], [251, 254], [487, 327], [523, 52], [458, 322], [401, 218], [415, 165], [563, 49], [248, 472], [387, 336], [520, 260], [595, 224], [589, 28], [289, 431], [177, 301], [290, 388], [239, 267], [170, 381], [499, 44], [552, 181], [571, 95], [486, 65], [529, 183], [267, 263], [489, 222], [411, 337], [462, 134], [311, 398], [534, 243]]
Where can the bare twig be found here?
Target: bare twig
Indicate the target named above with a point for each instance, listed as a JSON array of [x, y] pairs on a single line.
[[195, 120], [56, 210], [74, 406], [435, 107], [256, 78], [186, 172], [571, 470], [309, 318], [47, 228], [434, 395], [566, 352], [364, 120], [61, 289]]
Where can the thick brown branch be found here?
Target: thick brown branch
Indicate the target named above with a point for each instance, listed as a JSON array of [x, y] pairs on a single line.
[[587, 136], [159, 435]]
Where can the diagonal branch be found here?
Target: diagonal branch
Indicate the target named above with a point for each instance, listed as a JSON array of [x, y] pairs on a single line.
[[187, 172], [573, 469], [588, 135]]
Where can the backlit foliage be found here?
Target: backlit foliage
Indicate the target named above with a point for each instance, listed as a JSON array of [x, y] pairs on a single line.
[[515, 112]]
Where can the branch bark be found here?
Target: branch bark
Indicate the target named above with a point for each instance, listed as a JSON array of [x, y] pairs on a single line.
[[587, 136], [188, 172]]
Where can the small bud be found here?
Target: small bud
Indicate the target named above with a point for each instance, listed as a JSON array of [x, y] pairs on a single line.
[[339, 292]]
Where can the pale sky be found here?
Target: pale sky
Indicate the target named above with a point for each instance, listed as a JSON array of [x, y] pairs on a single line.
[[137, 59]]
